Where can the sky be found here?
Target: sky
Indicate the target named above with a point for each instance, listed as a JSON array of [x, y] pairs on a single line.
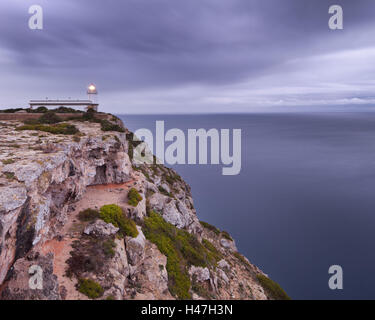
[[196, 56]]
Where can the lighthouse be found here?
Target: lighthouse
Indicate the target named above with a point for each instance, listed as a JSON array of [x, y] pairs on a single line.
[[92, 94]]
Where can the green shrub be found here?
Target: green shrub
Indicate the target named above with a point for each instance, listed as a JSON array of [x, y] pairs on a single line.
[[49, 118], [90, 288], [12, 110], [112, 213], [272, 288], [31, 121], [9, 175], [40, 110], [134, 197], [88, 215], [105, 124], [182, 250], [66, 110], [213, 254], [109, 126], [210, 227], [61, 128], [7, 161], [226, 235]]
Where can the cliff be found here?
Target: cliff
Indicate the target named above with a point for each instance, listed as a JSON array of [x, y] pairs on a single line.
[[97, 226]]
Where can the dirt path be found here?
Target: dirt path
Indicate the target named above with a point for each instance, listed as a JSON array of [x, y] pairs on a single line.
[[94, 198]]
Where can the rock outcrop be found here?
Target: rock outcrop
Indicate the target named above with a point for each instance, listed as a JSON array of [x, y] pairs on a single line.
[[47, 179]]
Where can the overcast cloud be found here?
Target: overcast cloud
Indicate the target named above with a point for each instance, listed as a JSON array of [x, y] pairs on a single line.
[[173, 56]]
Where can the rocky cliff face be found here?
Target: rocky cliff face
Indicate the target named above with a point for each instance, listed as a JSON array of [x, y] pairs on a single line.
[[48, 180]]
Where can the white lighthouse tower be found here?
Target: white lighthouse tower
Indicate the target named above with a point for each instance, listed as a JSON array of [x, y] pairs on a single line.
[[92, 94]]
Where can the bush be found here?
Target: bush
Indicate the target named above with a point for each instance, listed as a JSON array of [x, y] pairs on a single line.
[[66, 110], [226, 235], [9, 175], [213, 254], [40, 110], [12, 110], [105, 124], [182, 250], [7, 161], [90, 288], [109, 126], [61, 128], [134, 197], [210, 227], [112, 213], [49, 118], [90, 254], [272, 288], [88, 215]]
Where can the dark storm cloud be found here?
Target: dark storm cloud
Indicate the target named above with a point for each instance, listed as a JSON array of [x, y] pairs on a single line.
[[165, 45]]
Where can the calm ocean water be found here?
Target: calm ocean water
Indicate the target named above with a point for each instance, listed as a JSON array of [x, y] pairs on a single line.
[[303, 201]]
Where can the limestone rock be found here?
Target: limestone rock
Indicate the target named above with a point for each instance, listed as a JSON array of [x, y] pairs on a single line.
[[228, 244], [12, 198], [201, 274], [101, 229], [135, 247], [223, 264]]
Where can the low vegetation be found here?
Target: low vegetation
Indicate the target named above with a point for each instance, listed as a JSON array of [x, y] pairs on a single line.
[[90, 288], [134, 197], [242, 259], [182, 250], [9, 175], [60, 128], [109, 126], [7, 161], [89, 255], [210, 227], [215, 230], [105, 124], [88, 215], [226, 235], [42, 110], [272, 288], [112, 213], [49, 118], [164, 192], [213, 254], [201, 289]]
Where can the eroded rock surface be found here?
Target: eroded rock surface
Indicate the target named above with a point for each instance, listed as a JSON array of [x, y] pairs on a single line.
[[46, 180]]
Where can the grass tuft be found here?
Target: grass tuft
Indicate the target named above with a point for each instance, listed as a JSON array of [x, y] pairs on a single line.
[[90, 288], [134, 197], [272, 288], [60, 128], [112, 213]]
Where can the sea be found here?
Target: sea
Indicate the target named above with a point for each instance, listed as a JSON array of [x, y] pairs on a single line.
[[303, 201]]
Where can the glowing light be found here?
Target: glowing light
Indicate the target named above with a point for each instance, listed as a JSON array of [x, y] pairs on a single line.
[[92, 87]]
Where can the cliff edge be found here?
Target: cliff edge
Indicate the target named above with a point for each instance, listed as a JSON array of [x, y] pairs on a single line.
[[79, 220]]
